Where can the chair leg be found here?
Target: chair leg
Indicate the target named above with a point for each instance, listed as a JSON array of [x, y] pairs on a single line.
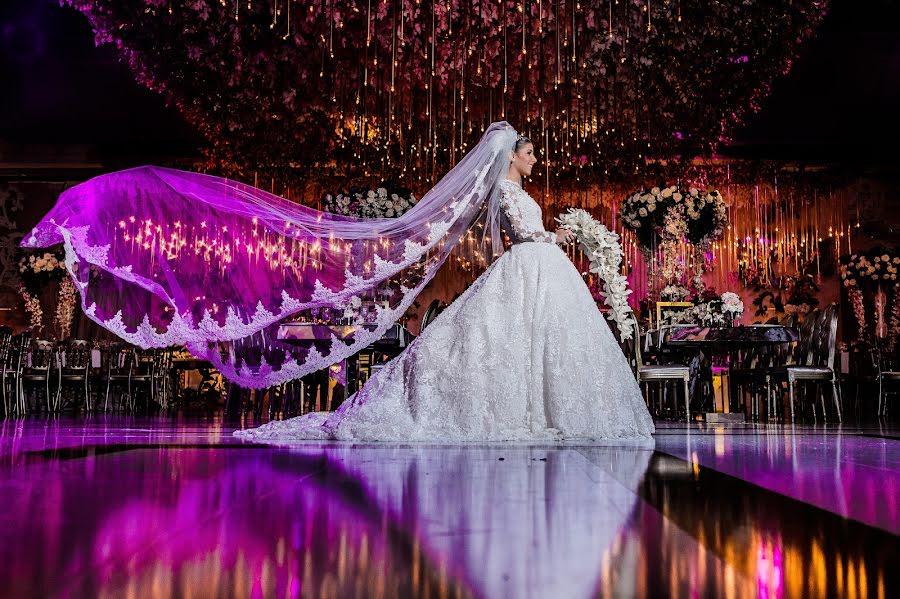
[[836, 397], [822, 401], [791, 399], [880, 393]]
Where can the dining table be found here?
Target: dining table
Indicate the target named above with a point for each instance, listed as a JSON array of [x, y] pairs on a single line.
[[720, 346]]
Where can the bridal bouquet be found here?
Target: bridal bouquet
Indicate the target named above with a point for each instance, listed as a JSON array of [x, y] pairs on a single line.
[[602, 248], [372, 203]]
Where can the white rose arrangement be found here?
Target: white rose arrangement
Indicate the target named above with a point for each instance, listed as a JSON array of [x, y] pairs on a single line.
[[605, 254], [732, 304], [372, 203], [675, 214]]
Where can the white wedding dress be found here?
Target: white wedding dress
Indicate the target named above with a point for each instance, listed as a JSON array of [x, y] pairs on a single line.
[[523, 354]]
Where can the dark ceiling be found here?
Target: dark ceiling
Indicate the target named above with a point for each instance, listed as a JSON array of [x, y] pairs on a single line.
[[839, 102]]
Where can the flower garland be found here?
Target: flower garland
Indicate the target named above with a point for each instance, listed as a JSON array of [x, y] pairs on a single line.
[[670, 215], [894, 320], [33, 307], [856, 300], [65, 307], [378, 203], [605, 254]]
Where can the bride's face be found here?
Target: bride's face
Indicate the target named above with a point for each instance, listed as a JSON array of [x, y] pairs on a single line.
[[524, 159]]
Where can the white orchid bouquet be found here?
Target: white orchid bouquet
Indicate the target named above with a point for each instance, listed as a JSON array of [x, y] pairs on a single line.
[[674, 293], [372, 203], [605, 254]]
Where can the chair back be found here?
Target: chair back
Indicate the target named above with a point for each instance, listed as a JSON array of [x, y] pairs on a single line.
[[44, 355], [825, 341], [118, 359], [76, 355], [6, 341], [804, 350]]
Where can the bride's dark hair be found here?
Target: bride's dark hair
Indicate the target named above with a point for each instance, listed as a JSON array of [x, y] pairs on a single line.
[[521, 142]]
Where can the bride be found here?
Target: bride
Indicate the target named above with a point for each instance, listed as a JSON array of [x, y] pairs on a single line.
[[522, 354], [162, 257]]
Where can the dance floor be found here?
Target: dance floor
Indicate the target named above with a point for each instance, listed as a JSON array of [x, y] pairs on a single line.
[[111, 506]]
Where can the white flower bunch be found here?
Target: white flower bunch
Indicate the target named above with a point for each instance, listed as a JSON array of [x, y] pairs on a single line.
[[605, 254], [707, 314], [731, 303], [374, 203]]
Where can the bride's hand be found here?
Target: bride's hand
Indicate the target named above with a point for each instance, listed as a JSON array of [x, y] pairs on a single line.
[[564, 235]]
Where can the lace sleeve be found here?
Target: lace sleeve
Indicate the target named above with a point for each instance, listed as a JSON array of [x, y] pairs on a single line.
[[523, 230]]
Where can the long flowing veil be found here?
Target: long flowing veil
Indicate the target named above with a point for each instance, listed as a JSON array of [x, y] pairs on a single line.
[[164, 257]]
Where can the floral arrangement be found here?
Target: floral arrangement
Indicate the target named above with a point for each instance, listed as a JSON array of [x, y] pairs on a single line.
[[39, 270], [65, 307], [867, 277], [732, 304], [36, 270], [377, 203], [33, 307], [605, 254], [673, 214], [871, 267], [709, 309], [674, 293]]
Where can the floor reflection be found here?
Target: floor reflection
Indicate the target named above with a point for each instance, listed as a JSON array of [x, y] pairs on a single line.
[[108, 508], [786, 547]]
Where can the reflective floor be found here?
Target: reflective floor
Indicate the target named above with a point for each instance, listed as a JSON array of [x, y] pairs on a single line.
[[175, 507]]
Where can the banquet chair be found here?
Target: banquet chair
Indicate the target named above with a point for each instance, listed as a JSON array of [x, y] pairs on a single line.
[[888, 371], [74, 372], [117, 361], [162, 377], [38, 371], [142, 376], [656, 373], [6, 341], [12, 357], [814, 362], [748, 373]]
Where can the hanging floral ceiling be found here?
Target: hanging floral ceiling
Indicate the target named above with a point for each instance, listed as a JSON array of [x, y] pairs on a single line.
[[401, 88]]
